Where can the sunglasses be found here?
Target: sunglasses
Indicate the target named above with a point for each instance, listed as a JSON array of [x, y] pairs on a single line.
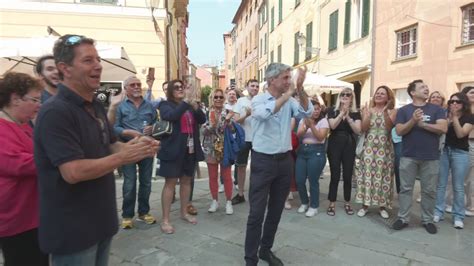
[[218, 97], [455, 101], [346, 94], [178, 88], [71, 41]]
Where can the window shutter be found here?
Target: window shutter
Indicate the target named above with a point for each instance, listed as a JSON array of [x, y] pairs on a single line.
[[365, 18], [279, 54], [280, 11], [271, 57], [333, 30], [273, 19], [309, 40], [296, 56], [347, 23]]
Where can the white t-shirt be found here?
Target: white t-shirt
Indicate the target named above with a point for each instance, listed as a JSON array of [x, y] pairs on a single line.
[[308, 137], [240, 106]]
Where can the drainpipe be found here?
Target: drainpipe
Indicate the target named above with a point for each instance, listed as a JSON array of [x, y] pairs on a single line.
[[169, 17], [372, 60]]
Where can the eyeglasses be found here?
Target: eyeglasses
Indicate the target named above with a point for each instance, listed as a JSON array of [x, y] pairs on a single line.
[[33, 99], [455, 101], [218, 97], [135, 85], [346, 94]]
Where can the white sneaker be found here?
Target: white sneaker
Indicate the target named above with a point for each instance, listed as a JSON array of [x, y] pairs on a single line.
[[214, 206], [221, 188], [458, 224], [384, 214], [362, 212], [449, 209], [228, 208], [236, 187], [311, 212], [418, 199], [436, 219], [469, 213], [303, 208], [290, 196], [287, 205]]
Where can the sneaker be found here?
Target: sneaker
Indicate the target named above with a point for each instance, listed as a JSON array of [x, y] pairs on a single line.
[[399, 225], [221, 188], [362, 212], [430, 228], [127, 223], [458, 224], [214, 206], [287, 205], [384, 214], [303, 208], [436, 219], [311, 212], [290, 196], [238, 199], [449, 209], [469, 213], [418, 199], [228, 208], [147, 218], [236, 187]]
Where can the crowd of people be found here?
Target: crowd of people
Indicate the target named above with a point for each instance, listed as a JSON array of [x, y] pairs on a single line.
[[60, 148]]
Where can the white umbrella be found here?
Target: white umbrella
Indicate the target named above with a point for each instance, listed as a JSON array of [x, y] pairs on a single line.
[[20, 55], [316, 84]]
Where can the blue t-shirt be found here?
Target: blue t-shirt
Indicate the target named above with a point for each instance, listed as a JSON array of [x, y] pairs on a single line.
[[420, 144]]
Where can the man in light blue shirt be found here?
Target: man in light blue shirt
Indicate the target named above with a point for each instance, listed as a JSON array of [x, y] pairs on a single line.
[[271, 165]]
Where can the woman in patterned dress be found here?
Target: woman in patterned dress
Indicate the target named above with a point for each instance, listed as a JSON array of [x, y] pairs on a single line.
[[375, 172]]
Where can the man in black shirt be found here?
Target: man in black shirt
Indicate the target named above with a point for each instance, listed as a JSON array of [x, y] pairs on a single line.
[[75, 155]]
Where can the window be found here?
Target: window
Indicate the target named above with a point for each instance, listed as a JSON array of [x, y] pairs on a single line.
[[309, 40], [272, 22], [356, 20], [333, 30], [297, 2], [280, 11], [296, 56], [406, 42], [271, 57], [261, 47], [266, 44], [468, 24], [279, 54], [256, 36]]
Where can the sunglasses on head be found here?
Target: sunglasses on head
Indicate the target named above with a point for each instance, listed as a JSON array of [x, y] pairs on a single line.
[[218, 97], [71, 41], [346, 94], [455, 101]]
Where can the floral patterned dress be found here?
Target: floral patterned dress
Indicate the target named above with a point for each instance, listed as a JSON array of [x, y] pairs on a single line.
[[213, 133], [374, 172]]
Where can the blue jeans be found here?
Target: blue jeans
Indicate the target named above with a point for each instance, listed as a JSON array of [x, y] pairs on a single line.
[[97, 255], [457, 161], [310, 162], [129, 188]]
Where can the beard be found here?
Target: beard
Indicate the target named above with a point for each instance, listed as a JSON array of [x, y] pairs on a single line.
[[50, 83]]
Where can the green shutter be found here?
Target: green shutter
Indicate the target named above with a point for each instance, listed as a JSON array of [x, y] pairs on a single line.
[[309, 40], [273, 19], [280, 11], [365, 18], [279, 54], [347, 23], [271, 57], [296, 56], [333, 30]]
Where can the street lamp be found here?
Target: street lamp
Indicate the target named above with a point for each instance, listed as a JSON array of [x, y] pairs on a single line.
[[301, 39]]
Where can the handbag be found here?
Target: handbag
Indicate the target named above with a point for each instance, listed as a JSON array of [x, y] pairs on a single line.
[[161, 129]]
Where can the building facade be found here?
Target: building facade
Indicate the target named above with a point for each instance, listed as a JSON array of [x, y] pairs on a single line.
[[432, 41]]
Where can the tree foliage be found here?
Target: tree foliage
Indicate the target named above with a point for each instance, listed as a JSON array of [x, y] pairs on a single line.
[[205, 92]]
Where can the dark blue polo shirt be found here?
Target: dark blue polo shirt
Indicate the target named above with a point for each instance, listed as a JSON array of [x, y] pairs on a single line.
[[73, 217]]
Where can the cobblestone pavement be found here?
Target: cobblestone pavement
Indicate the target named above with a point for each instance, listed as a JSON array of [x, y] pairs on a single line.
[[218, 238]]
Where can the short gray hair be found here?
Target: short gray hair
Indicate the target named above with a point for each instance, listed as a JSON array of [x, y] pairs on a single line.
[[127, 80], [275, 69]]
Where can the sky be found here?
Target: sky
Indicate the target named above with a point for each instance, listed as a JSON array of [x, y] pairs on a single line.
[[208, 21]]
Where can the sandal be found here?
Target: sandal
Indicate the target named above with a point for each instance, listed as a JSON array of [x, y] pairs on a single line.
[[191, 210], [331, 211], [348, 209], [167, 228], [190, 219]]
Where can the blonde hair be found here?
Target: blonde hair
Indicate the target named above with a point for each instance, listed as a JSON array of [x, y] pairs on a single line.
[[211, 97], [352, 108]]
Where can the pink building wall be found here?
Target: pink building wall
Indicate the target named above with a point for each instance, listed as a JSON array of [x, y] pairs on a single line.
[[205, 77]]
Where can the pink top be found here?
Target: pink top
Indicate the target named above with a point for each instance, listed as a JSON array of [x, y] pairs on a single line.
[[187, 123], [308, 137], [19, 210]]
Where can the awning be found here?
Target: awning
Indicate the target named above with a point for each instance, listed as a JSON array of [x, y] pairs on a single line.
[[20, 55], [348, 74], [317, 84]]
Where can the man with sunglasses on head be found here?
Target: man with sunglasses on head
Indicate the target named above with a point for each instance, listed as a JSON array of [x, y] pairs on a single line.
[[271, 165], [243, 116], [134, 118], [48, 73], [76, 153], [420, 124]]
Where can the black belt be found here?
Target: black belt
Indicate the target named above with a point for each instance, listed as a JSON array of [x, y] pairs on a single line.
[[277, 156]]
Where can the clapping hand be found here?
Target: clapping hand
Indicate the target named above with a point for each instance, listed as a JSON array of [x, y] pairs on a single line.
[[300, 78]]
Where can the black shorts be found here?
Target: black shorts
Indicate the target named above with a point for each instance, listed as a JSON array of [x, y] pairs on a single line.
[[243, 156], [181, 167]]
